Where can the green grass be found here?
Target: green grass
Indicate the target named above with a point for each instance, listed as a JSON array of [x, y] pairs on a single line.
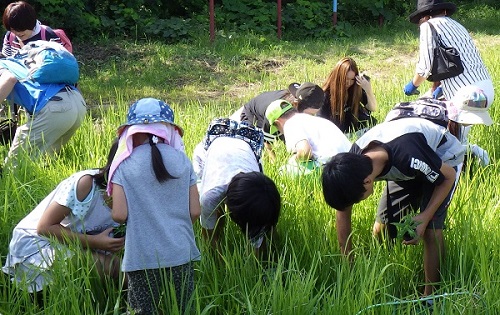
[[306, 274]]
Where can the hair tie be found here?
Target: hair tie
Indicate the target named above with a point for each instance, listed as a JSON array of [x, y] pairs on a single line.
[[154, 140]]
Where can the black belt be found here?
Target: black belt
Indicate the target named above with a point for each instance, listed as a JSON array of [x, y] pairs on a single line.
[[57, 98]]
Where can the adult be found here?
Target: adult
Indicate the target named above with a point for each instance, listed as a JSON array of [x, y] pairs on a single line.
[[349, 98], [452, 34], [437, 13], [311, 140], [228, 165], [76, 211], [417, 157], [54, 113]]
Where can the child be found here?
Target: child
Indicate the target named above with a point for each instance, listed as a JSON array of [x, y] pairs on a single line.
[[154, 191], [417, 157], [306, 98], [19, 19], [228, 164], [74, 211], [312, 140]]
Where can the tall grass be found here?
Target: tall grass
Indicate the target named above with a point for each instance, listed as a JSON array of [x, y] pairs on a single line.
[[305, 274]]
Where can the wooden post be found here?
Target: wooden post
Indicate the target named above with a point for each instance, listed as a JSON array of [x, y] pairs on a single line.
[[334, 14], [279, 18], [212, 20]]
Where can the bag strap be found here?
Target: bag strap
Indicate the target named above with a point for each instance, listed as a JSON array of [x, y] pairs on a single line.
[[43, 32], [435, 36], [12, 37]]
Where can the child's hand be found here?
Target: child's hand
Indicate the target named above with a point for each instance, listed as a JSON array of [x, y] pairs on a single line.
[[108, 243], [419, 224]]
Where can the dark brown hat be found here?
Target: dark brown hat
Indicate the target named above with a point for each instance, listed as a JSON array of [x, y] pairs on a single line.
[[426, 7]]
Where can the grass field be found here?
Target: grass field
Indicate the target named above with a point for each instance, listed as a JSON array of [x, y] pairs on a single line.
[[306, 274]]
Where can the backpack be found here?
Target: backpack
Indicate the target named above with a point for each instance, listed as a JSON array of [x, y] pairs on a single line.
[[43, 62], [427, 108], [65, 41], [226, 127], [62, 36]]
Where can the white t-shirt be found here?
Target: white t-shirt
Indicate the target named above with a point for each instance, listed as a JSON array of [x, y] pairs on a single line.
[[216, 166], [324, 137]]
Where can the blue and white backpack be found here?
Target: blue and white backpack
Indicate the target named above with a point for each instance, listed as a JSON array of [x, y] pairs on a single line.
[[43, 62]]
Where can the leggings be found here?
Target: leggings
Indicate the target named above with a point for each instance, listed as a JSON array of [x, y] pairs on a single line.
[[150, 288]]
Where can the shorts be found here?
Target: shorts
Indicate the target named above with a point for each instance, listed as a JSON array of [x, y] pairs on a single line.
[[404, 197]]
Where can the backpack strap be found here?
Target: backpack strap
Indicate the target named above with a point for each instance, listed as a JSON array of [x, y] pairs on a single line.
[[43, 32], [12, 37]]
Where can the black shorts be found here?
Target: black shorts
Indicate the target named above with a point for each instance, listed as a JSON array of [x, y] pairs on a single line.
[[406, 197]]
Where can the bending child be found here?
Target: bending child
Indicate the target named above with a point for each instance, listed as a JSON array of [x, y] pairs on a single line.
[[311, 140], [85, 220], [228, 164], [418, 158]]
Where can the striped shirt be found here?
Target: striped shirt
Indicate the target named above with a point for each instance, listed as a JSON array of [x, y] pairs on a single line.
[[452, 34], [12, 44]]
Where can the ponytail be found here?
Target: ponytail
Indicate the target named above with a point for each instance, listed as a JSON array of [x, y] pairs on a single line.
[[161, 172]]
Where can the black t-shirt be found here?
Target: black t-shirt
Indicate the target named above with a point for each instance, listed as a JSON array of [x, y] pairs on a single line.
[[411, 152], [351, 123], [255, 110]]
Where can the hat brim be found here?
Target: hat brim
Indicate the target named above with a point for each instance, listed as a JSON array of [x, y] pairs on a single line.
[[418, 14], [293, 87], [140, 121], [474, 118], [273, 129]]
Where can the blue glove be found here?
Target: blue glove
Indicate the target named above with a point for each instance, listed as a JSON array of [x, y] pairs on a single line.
[[410, 88], [438, 92]]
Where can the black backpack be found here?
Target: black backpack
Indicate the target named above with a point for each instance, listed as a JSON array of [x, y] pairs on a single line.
[[427, 108]]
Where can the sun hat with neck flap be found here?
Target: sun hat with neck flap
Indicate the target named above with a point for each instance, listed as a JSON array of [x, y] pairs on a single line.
[[427, 7], [150, 111]]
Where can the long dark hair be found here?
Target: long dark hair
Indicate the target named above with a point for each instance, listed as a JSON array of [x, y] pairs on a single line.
[[336, 92], [101, 178], [159, 168]]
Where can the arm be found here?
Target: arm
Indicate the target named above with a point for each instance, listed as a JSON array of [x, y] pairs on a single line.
[[343, 223], [438, 196], [213, 235], [424, 65], [303, 151], [212, 218], [194, 203], [417, 80], [120, 208], [365, 84], [7, 82], [50, 224]]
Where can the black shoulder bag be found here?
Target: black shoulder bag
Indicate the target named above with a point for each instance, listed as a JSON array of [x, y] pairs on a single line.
[[446, 63]]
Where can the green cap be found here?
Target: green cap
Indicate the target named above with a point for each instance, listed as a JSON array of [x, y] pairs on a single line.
[[274, 111]]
